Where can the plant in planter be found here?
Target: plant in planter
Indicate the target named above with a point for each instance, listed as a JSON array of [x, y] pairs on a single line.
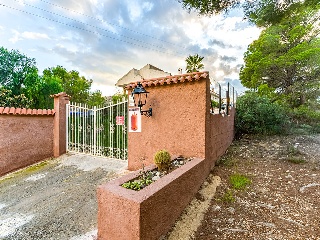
[[162, 159], [145, 179]]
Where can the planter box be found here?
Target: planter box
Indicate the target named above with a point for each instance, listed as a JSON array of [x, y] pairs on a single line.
[[148, 213]]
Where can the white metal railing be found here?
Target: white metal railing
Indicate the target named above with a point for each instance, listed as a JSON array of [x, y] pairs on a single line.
[[99, 131]]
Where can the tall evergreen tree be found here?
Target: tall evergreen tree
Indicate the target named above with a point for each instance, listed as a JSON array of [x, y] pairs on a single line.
[[286, 58]]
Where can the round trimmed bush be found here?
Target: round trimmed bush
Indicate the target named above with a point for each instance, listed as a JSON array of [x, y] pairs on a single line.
[[162, 159]]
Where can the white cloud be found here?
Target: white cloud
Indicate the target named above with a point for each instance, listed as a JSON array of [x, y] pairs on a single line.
[[17, 36], [134, 9], [34, 35]]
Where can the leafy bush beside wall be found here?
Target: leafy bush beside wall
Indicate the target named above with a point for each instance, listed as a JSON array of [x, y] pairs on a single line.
[[258, 115], [8, 99]]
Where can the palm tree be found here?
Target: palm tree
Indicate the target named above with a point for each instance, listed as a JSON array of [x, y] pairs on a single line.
[[194, 63]]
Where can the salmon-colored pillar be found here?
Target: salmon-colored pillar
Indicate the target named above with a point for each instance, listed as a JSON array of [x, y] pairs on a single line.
[[59, 127]]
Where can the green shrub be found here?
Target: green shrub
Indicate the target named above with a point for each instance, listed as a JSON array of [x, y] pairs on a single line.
[[239, 182], [8, 99], [258, 115], [294, 155], [296, 160], [305, 118], [228, 197], [145, 179], [137, 184], [162, 159]]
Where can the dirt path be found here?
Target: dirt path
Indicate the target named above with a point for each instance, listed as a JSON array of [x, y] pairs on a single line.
[[282, 202], [54, 199]]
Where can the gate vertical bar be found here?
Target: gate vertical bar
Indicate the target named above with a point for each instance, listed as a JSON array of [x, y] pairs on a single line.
[[67, 126], [74, 131], [112, 132], [77, 125], [83, 128], [94, 130], [125, 128], [100, 131], [91, 132], [116, 130]]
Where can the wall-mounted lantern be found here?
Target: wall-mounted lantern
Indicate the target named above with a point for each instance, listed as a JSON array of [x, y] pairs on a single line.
[[140, 95]]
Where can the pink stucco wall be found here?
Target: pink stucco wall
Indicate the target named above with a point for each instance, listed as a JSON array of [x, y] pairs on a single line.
[[219, 135], [28, 136], [177, 123], [24, 140]]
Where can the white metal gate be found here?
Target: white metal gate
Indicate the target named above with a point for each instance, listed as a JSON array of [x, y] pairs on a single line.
[[99, 131]]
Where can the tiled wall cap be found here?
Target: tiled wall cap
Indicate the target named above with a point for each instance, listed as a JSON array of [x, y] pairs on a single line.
[[24, 111], [188, 77]]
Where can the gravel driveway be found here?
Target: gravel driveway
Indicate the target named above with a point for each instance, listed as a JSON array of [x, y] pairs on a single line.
[[55, 199]]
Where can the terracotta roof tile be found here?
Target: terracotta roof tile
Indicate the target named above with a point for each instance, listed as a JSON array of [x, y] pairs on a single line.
[[24, 111], [6, 110], [51, 112], [12, 110], [188, 77], [175, 80], [18, 111]]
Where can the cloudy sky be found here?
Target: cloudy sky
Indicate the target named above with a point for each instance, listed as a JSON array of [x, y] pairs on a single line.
[[104, 39]]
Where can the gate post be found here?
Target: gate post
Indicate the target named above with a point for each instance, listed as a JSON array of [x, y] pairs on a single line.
[[59, 126]]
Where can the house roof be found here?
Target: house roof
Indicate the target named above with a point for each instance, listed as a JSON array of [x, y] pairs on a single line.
[[147, 72], [188, 77], [24, 111]]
